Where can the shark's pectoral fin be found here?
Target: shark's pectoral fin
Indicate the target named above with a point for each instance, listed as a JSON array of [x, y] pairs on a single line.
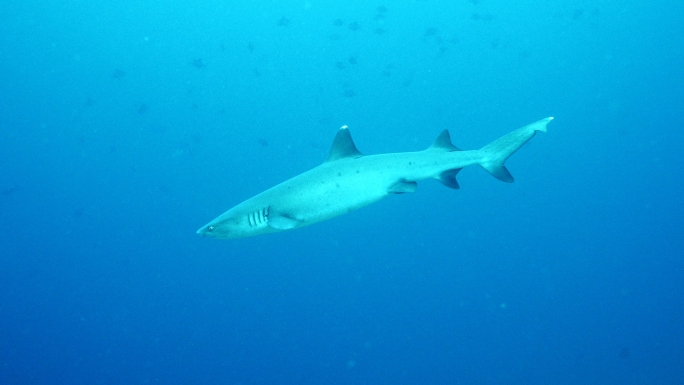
[[448, 178], [282, 222], [403, 187]]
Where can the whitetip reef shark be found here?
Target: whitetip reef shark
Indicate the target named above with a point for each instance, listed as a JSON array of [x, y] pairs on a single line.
[[349, 180]]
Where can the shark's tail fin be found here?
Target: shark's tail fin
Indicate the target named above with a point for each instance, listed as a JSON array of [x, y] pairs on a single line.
[[495, 153]]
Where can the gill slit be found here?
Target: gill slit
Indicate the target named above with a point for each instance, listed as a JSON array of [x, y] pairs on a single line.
[[258, 217]]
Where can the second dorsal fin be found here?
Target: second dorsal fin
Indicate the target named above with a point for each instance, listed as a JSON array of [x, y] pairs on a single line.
[[343, 146], [443, 142]]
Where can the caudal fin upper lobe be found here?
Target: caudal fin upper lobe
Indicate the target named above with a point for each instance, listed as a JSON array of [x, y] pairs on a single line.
[[494, 154]]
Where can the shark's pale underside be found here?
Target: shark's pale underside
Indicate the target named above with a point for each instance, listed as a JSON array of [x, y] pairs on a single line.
[[349, 180]]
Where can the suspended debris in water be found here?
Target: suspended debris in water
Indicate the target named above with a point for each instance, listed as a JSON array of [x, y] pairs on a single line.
[[283, 22], [198, 63], [118, 74]]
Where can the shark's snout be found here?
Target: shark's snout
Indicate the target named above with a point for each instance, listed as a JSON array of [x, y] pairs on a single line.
[[205, 230]]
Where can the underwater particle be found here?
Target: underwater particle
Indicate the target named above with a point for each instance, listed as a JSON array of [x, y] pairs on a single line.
[[349, 93], [382, 9], [334, 36], [485, 17], [78, 213], [354, 26], [624, 353], [250, 47], [338, 22], [378, 31], [495, 43], [263, 142], [283, 22], [159, 129], [118, 74], [339, 65], [387, 72], [142, 109], [379, 16], [9, 190], [198, 63], [577, 14], [352, 60], [430, 32]]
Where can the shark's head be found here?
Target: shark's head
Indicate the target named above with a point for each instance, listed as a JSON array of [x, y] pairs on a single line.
[[236, 223], [225, 228]]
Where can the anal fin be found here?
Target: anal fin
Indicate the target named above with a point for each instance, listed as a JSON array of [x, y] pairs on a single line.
[[448, 178]]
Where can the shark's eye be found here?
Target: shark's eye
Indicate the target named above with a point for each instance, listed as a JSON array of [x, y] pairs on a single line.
[[210, 228]]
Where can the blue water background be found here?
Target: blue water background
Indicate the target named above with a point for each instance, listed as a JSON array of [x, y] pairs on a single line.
[[127, 125]]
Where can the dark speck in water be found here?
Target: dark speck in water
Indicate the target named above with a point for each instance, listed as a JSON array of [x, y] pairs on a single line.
[[283, 22], [9, 190], [198, 63]]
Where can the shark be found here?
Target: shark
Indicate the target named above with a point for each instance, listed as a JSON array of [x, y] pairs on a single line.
[[349, 180]]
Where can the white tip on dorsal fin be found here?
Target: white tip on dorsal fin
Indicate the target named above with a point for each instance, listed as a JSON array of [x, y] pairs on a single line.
[[443, 142], [343, 146]]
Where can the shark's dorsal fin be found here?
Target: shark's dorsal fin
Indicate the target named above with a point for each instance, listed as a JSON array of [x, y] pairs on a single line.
[[343, 146], [443, 142]]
